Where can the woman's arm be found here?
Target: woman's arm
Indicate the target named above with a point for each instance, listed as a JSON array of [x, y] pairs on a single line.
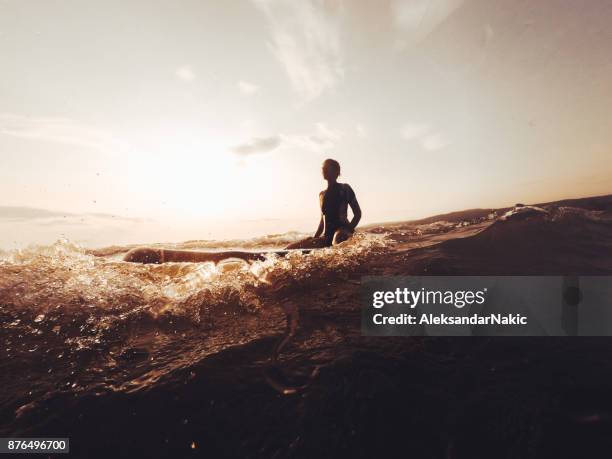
[[320, 228], [356, 213]]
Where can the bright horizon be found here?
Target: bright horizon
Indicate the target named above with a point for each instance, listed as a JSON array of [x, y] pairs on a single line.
[[150, 121]]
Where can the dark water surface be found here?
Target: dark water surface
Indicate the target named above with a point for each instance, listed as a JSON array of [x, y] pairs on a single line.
[[183, 360]]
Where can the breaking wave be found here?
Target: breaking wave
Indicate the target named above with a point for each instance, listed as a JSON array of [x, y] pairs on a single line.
[[84, 322]]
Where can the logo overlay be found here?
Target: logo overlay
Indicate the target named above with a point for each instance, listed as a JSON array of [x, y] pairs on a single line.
[[486, 306]]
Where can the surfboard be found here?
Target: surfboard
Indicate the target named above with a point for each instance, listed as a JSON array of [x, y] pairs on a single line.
[[149, 255]]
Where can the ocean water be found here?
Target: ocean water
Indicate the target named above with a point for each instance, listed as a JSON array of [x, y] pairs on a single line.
[[83, 321], [178, 360]]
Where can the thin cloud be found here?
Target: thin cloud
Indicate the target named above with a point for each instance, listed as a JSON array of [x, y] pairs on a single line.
[[27, 214], [323, 138], [117, 217], [416, 19], [257, 145], [185, 73], [411, 131], [306, 42], [247, 88], [59, 130], [434, 142], [324, 132], [425, 135]]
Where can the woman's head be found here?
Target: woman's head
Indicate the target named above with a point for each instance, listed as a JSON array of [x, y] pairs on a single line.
[[331, 169]]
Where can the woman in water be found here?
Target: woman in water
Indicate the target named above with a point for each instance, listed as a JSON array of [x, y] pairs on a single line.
[[333, 229], [334, 226]]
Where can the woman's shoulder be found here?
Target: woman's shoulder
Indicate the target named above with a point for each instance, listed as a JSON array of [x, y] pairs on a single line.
[[347, 188]]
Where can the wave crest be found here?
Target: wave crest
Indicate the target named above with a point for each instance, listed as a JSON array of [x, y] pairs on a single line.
[[61, 296]]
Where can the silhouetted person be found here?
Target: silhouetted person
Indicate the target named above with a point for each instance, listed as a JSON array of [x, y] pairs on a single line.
[[334, 226], [333, 229]]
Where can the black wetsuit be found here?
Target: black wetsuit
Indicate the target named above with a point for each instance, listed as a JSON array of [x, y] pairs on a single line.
[[334, 207]]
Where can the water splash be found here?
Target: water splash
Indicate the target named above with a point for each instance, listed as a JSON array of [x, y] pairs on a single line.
[[99, 322]]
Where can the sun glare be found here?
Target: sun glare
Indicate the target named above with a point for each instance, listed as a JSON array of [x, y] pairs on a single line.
[[197, 177]]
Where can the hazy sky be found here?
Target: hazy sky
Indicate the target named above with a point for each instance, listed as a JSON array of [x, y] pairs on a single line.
[[126, 121]]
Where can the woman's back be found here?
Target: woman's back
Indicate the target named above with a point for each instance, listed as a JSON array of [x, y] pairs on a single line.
[[334, 203]]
